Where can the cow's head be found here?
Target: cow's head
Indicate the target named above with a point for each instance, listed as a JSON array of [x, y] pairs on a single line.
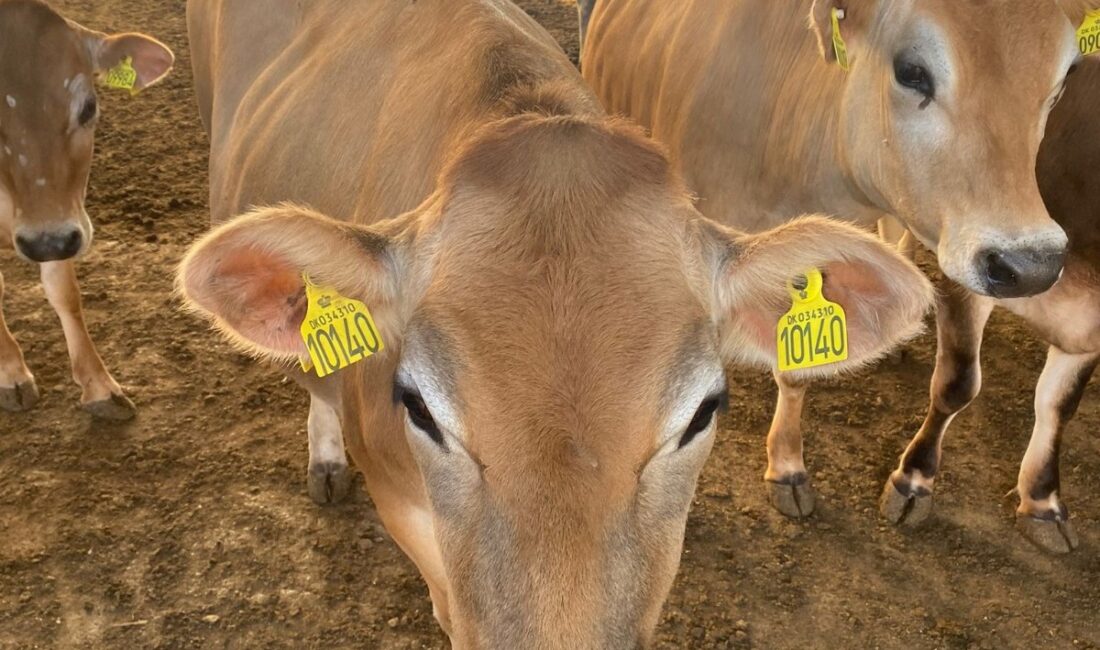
[[944, 110], [558, 317], [48, 111]]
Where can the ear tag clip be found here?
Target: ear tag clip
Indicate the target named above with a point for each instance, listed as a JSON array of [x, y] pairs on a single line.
[[839, 46], [1088, 35], [122, 76], [815, 331], [338, 331]]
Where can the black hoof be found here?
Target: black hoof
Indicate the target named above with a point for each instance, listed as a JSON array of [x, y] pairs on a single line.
[[793, 496], [904, 505], [118, 408], [328, 483], [20, 397]]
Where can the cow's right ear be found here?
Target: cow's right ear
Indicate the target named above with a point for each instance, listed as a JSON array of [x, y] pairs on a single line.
[[151, 59], [854, 19], [247, 275]]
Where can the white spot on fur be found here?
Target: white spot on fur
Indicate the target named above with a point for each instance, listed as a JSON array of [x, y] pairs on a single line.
[[22, 160], [7, 150], [40, 182], [11, 101], [66, 83]]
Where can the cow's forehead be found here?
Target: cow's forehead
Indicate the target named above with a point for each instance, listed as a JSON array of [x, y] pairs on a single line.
[[39, 52]]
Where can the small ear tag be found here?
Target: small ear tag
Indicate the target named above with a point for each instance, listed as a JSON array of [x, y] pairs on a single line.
[[839, 46], [122, 76], [815, 331], [338, 331], [1088, 35]]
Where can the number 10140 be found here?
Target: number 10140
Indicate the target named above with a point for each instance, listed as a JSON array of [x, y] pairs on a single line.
[[816, 342]]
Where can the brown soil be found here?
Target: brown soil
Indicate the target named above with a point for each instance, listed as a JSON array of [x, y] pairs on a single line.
[[190, 527]]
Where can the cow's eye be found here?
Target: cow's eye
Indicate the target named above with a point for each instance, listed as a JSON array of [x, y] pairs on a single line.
[[420, 416], [914, 76], [87, 112], [702, 419]]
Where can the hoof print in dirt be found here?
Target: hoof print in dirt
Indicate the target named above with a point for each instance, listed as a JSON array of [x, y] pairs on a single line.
[[905, 506], [328, 483], [1053, 534], [794, 496], [21, 397], [117, 408]]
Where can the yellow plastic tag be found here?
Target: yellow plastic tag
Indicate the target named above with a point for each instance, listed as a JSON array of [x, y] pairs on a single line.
[[122, 76], [337, 331], [815, 331], [1088, 35], [839, 46]]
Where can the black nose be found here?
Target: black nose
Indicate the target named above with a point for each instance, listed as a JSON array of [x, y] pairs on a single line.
[[49, 247], [1021, 272]]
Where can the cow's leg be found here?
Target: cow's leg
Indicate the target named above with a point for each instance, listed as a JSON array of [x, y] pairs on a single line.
[[893, 232], [328, 479], [102, 396], [1041, 516], [18, 391], [789, 488], [960, 320]]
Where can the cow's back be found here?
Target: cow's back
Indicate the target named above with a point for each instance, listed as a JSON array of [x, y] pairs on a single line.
[[353, 107], [732, 87]]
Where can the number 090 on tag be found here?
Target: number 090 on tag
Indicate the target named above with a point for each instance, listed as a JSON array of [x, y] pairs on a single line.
[[814, 332]]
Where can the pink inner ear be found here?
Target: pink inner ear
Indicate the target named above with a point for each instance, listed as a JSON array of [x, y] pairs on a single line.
[[847, 282], [261, 296]]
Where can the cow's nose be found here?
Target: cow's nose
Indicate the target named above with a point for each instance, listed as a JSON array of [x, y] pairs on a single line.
[[1017, 273], [51, 246]]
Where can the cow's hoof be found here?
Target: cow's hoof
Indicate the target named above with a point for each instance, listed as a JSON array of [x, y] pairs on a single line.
[[905, 507], [328, 483], [117, 407], [1052, 535], [793, 496], [20, 397]]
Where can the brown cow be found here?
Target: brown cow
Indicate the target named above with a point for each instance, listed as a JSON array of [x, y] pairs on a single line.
[[556, 315], [48, 111], [938, 122]]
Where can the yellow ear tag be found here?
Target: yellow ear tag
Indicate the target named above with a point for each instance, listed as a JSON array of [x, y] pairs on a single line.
[[839, 46], [1088, 35], [337, 331], [122, 76], [815, 331]]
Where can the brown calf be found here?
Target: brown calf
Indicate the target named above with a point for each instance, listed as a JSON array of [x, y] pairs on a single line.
[[48, 67]]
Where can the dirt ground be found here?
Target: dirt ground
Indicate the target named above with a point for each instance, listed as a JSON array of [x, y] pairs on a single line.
[[191, 527]]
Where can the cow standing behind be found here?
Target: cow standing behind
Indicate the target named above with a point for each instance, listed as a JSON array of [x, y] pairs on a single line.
[[556, 314], [938, 123], [48, 111]]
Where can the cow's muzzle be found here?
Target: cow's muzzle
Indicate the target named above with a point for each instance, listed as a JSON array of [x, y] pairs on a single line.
[[52, 246], [1022, 272]]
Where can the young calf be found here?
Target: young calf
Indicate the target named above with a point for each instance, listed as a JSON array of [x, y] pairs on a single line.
[[925, 116], [555, 314], [1067, 317], [48, 110]]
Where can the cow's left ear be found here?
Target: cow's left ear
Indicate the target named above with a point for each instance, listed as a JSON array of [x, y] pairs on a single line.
[[884, 295], [151, 59]]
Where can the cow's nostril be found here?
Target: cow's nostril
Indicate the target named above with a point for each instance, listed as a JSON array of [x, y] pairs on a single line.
[[999, 272]]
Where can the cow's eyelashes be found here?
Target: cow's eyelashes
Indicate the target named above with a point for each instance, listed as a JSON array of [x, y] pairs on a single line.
[[915, 77], [87, 112], [420, 416], [702, 419]]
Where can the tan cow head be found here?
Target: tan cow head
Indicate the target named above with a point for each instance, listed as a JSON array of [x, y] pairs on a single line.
[[48, 111], [557, 318], [945, 106]]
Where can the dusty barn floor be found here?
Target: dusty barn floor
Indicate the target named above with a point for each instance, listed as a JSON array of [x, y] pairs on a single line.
[[190, 527]]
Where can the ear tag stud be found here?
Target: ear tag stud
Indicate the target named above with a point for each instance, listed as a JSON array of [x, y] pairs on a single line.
[[839, 46], [1088, 35], [338, 331], [815, 331], [122, 76]]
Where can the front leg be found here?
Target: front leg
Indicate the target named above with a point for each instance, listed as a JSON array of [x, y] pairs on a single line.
[[102, 396], [960, 322], [789, 488], [1041, 516], [17, 388]]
